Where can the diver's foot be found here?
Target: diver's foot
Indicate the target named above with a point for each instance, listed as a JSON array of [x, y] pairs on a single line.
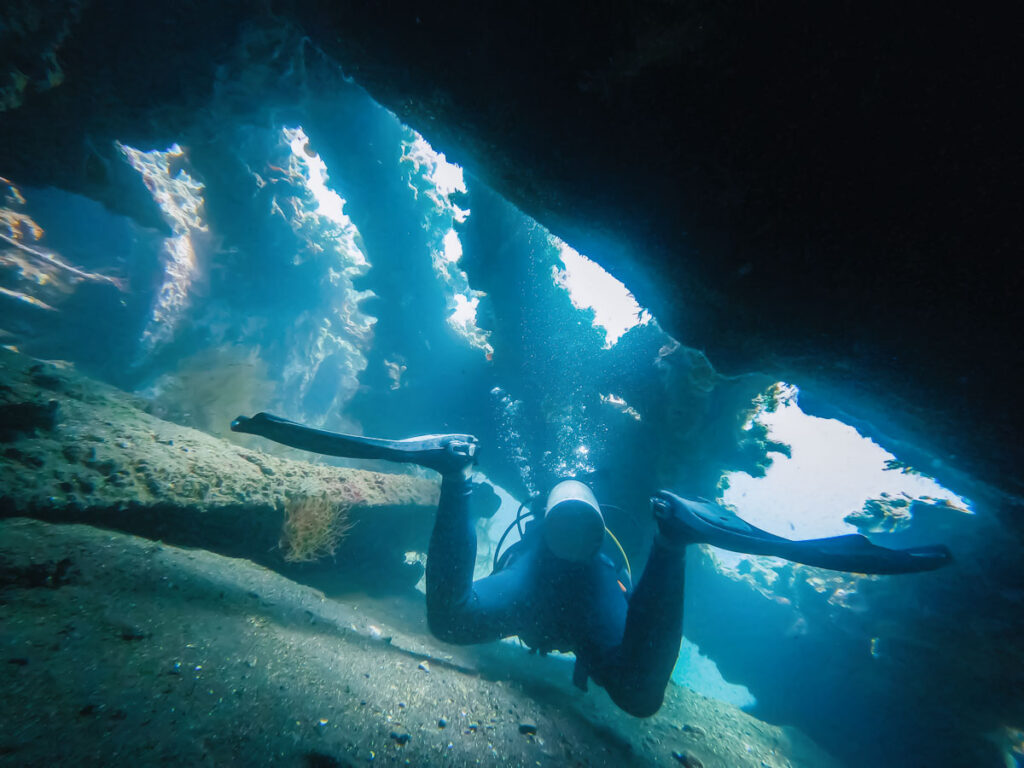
[[676, 528], [454, 460]]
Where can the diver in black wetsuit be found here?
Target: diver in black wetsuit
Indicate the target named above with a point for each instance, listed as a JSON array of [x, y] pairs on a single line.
[[556, 590]]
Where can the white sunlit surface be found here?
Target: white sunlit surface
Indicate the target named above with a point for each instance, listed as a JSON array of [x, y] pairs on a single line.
[[180, 198], [833, 471], [329, 203], [445, 178], [591, 287], [452, 250], [312, 170], [318, 218], [621, 406], [430, 173]]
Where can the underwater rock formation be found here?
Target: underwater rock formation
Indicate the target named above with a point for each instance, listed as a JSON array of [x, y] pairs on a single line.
[[91, 453], [824, 193], [185, 657]]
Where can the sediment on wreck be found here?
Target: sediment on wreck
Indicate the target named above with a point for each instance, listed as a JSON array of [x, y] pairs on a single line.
[[76, 450]]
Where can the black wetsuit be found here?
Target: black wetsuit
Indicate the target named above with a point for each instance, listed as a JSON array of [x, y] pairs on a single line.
[[626, 644]]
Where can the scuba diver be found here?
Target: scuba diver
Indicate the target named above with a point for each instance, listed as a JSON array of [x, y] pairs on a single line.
[[555, 589]]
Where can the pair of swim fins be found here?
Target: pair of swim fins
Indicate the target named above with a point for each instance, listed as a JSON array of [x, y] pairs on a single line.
[[699, 521]]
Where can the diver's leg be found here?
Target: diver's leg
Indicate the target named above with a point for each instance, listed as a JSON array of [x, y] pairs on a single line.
[[451, 557], [438, 452], [457, 609], [636, 672], [460, 610]]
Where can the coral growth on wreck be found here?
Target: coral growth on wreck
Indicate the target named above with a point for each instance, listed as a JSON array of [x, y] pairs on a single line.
[[313, 527]]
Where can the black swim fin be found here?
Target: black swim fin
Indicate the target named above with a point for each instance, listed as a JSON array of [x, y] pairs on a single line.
[[688, 521], [441, 452]]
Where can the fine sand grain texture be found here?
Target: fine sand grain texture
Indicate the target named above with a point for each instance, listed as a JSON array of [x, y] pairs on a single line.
[[123, 651]]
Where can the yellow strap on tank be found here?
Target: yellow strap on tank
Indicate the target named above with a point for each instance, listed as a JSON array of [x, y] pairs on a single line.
[[621, 551]]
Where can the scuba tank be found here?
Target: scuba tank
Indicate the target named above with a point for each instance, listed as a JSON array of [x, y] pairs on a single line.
[[573, 523], [572, 527]]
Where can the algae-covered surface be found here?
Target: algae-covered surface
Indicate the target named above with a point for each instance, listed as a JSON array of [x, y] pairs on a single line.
[[75, 450], [120, 650], [70, 441]]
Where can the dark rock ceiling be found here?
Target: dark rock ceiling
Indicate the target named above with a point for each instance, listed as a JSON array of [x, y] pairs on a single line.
[[827, 192]]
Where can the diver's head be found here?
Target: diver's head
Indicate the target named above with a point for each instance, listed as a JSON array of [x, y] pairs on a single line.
[[573, 523]]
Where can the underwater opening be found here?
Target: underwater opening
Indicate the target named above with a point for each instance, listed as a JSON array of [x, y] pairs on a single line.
[[591, 287], [834, 481]]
